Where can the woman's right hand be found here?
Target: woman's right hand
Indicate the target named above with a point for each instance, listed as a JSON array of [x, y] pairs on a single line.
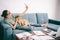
[[26, 6], [16, 19], [14, 25], [23, 13]]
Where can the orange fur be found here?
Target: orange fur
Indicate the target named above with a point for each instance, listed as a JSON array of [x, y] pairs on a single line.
[[23, 22]]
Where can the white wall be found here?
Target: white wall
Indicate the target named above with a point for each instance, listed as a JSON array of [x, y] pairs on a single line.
[[35, 6], [58, 11]]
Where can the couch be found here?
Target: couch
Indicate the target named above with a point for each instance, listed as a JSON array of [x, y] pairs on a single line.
[[53, 24], [35, 19]]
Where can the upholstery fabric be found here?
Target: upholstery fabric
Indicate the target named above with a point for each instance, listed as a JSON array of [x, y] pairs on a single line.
[[7, 31], [32, 18], [53, 26], [42, 18]]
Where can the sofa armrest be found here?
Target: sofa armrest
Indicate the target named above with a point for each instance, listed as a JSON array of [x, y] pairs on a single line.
[[7, 31], [54, 22], [53, 27]]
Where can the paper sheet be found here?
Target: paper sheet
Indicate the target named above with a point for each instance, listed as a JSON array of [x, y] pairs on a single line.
[[24, 34], [35, 37], [45, 38], [39, 33]]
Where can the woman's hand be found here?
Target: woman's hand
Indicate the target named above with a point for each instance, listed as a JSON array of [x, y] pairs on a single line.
[[16, 19], [14, 25], [26, 6], [23, 13]]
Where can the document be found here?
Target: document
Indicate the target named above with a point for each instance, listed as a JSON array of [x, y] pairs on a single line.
[[24, 34], [40, 33], [46, 38]]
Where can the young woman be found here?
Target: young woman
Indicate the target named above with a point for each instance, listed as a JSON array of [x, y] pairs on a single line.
[[14, 22]]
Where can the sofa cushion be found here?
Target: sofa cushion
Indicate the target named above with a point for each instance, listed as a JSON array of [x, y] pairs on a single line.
[[42, 18], [31, 18], [53, 27], [25, 16]]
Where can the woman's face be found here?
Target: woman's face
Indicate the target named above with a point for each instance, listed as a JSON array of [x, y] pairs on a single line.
[[8, 14]]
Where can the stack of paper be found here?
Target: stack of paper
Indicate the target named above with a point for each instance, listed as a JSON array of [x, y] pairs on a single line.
[[39, 33], [24, 34], [35, 37], [46, 38]]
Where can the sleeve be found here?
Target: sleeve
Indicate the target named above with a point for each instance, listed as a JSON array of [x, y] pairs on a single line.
[[7, 22], [13, 17]]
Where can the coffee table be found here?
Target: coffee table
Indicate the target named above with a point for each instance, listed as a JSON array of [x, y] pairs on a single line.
[[23, 36], [35, 37], [39, 35]]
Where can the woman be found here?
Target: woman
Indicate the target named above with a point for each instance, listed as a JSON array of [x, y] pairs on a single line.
[[14, 22]]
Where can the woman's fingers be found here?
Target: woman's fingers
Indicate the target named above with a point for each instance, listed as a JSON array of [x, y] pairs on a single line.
[[26, 6], [16, 19]]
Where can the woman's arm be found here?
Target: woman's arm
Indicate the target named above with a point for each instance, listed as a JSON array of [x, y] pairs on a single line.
[[21, 14], [14, 25]]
